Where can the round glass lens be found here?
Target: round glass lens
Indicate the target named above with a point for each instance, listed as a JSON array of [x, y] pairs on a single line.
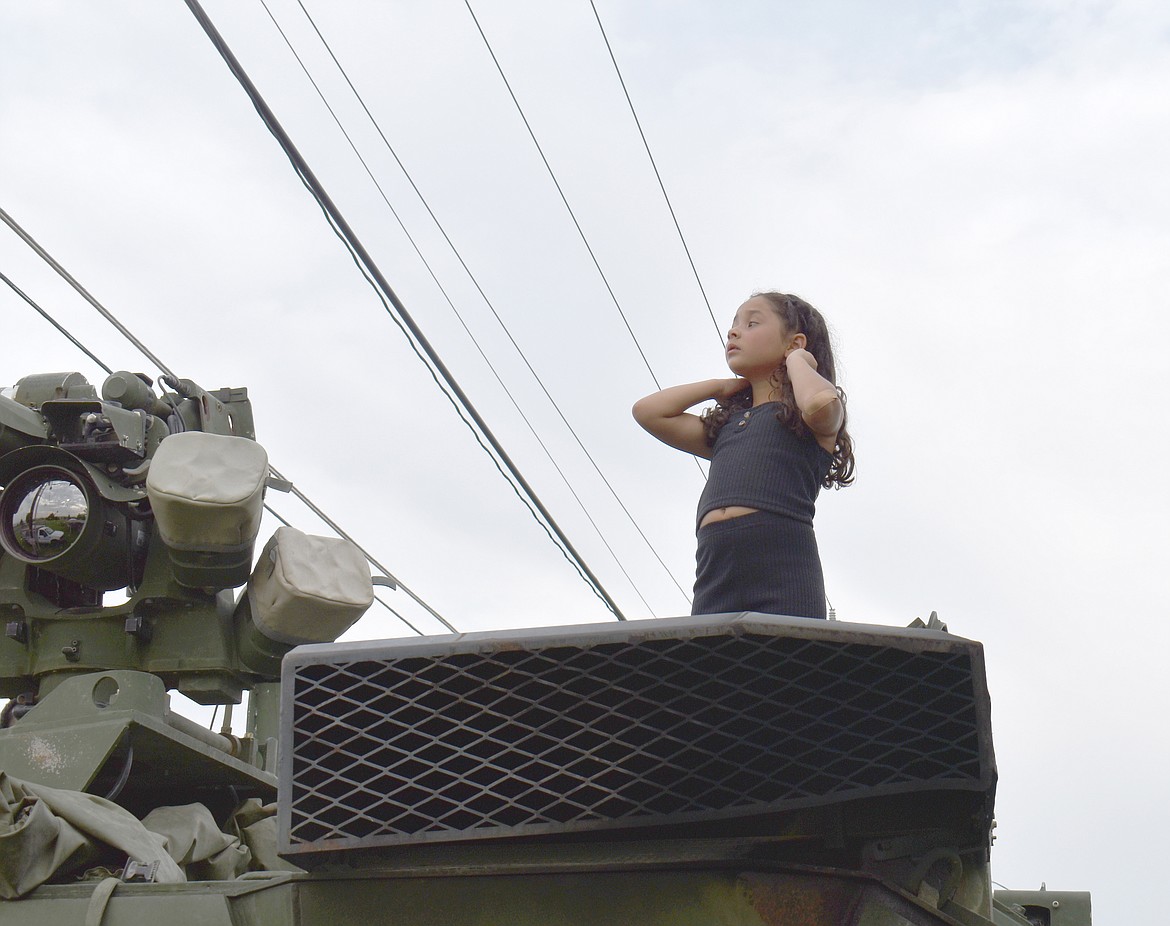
[[48, 517]]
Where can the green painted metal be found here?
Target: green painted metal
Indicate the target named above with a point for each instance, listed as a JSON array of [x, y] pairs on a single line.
[[1048, 908], [696, 896], [67, 757], [258, 902], [108, 730], [94, 681], [189, 637]]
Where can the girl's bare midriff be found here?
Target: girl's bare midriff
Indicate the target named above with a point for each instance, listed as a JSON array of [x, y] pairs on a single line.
[[726, 514]]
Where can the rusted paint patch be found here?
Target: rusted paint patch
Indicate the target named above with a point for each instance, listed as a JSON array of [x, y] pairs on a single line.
[[787, 902]]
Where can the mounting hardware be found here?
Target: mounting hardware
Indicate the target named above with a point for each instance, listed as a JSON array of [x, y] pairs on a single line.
[[139, 872], [139, 627]]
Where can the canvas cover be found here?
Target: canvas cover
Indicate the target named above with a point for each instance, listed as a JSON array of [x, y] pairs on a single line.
[[308, 589], [207, 490], [45, 831], [54, 835]]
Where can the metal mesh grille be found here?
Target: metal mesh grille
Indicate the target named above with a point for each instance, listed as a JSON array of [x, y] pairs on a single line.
[[506, 740]]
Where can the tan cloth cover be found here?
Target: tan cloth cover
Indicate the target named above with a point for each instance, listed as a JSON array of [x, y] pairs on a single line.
[[49, 831], [308, 589], [207, 490], [50, 834], [194, 841], [255, 825]]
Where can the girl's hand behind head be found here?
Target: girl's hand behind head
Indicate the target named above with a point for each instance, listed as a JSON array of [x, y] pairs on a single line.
[[728, 388], [798, 354]]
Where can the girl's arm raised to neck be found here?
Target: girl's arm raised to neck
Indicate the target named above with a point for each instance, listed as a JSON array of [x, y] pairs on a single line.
[[820, 405], [664, 414]]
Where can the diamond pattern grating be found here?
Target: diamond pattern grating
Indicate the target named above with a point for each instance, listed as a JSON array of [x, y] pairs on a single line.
[[399, 742]]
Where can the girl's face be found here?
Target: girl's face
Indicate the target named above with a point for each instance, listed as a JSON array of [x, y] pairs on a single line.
[[757, 341]]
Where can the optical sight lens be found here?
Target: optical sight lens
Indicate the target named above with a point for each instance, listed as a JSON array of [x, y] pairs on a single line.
[[43, 517]]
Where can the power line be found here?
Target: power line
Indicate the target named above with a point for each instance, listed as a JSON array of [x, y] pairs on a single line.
[[28, 239], [108, 316], [401, 316], [658, 176], [52, 321], [573, 216], [386, 572], [308, 502], [430, 270], [564, 199], [460, 402], [479, 289], [272, 511]]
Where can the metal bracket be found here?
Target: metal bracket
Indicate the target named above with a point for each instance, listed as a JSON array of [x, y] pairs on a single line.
[[278, 485], [139, 872], [139, 627]]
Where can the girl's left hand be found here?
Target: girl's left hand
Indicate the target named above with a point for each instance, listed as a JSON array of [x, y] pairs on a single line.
[[801, 354]]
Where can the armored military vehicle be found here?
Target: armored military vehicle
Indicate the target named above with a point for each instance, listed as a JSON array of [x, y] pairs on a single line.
[[723, 769]]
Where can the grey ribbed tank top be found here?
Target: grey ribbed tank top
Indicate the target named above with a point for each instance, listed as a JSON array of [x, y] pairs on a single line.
[[759, 463]]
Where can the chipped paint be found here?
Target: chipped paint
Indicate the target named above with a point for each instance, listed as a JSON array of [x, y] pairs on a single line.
[[44, 754]]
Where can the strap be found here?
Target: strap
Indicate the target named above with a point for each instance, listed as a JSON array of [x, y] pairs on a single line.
[[97, 902]]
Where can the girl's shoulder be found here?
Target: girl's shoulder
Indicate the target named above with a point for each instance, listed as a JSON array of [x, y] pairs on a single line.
[[792, 430]]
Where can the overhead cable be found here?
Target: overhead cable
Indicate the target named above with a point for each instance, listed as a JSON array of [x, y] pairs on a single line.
[[657, 175], [572, 215], [386, 572], [431, 272], [272, 511], [47, 258], [137, 343], [564, 199], [479, 289], [402, 317], [52, 321]]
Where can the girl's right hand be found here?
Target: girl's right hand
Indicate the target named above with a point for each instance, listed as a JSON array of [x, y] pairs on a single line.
[[664, 414], [727, 388]]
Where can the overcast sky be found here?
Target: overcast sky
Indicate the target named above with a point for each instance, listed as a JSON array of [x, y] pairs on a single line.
[[974, 193]]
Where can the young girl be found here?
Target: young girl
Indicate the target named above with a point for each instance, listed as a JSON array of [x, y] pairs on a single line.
[[776, 436]]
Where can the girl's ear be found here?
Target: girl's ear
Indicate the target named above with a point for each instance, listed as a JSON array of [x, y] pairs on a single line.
[[799, 342]]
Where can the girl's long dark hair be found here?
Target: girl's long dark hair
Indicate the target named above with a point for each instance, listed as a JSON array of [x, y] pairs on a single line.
[[798, 317]]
